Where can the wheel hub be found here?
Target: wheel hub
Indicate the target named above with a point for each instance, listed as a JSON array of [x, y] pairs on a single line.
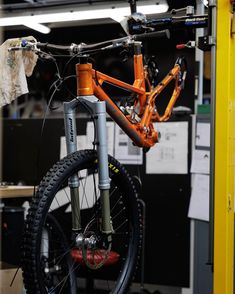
[[86, 242]]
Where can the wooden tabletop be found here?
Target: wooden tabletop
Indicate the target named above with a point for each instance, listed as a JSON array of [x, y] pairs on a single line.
[[16, 191]]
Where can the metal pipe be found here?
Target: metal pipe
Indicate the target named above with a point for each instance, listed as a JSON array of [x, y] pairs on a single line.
[[99, 110], [199, 56], [132, 6], [71, 144], [213, 12]]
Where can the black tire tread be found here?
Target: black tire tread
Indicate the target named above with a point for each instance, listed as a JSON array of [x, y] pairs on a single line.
[[33, 220]]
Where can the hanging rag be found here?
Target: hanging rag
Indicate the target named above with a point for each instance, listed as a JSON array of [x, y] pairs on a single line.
[[14, 67]]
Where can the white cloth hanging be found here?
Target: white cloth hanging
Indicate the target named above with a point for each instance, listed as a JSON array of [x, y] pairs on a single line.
[[14, 67]]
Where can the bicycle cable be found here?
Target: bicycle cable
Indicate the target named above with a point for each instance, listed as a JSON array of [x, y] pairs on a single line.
[[94, 141], [77, 55], [59, 80]]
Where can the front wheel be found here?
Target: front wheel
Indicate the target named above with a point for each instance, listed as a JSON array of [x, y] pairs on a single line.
[[49, 267]]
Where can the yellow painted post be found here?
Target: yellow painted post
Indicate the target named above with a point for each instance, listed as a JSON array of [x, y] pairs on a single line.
[[224, 151]]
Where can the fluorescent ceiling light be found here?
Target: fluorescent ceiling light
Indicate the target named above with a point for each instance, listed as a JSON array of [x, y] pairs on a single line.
[[37, 27], [115, 13]]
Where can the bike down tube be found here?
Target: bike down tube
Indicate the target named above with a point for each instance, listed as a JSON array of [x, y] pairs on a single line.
[[130, 129]]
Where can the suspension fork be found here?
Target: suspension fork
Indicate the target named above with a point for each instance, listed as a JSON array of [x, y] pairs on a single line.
[[99, 110], [71, 145]]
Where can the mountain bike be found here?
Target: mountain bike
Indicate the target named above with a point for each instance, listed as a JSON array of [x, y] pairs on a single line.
[[84, 226]]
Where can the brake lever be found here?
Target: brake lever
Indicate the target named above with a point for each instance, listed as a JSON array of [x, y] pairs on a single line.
[[147, 29], [124, 55], [45, 55], [24, 45]]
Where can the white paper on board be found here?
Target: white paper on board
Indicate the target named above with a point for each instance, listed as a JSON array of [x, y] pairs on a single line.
[[199, 202], [110, 136], [125, 151], [170, 155], [86, 194], [81, 145], [202, 135], [200, 162]]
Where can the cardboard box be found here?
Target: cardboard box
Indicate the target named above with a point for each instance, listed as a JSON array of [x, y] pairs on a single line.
[[7, 273]]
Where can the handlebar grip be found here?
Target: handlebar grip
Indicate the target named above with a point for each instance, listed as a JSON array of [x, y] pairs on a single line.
[[158, 34], [47, 46]]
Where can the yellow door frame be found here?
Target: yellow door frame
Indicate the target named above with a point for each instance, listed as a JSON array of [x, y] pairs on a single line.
[[224, 151]]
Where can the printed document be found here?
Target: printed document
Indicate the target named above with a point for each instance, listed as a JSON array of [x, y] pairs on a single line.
[[170, 155]]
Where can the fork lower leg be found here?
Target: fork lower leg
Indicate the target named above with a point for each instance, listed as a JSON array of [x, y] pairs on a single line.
[[99, 110]]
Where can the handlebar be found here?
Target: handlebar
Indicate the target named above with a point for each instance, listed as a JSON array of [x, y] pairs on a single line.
[[47, 46], [80, 48], [114, 43]]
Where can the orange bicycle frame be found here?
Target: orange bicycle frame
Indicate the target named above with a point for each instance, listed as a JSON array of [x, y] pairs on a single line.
[[138, 125]]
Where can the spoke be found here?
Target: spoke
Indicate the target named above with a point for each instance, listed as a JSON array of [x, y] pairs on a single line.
[[117, 214], [113, 191], [122, 224], [116, 203], [94, 214], [69, 199], [83, 183], [57, 201], [65, 278], [58, 259], [95, 194], [63, 284]]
